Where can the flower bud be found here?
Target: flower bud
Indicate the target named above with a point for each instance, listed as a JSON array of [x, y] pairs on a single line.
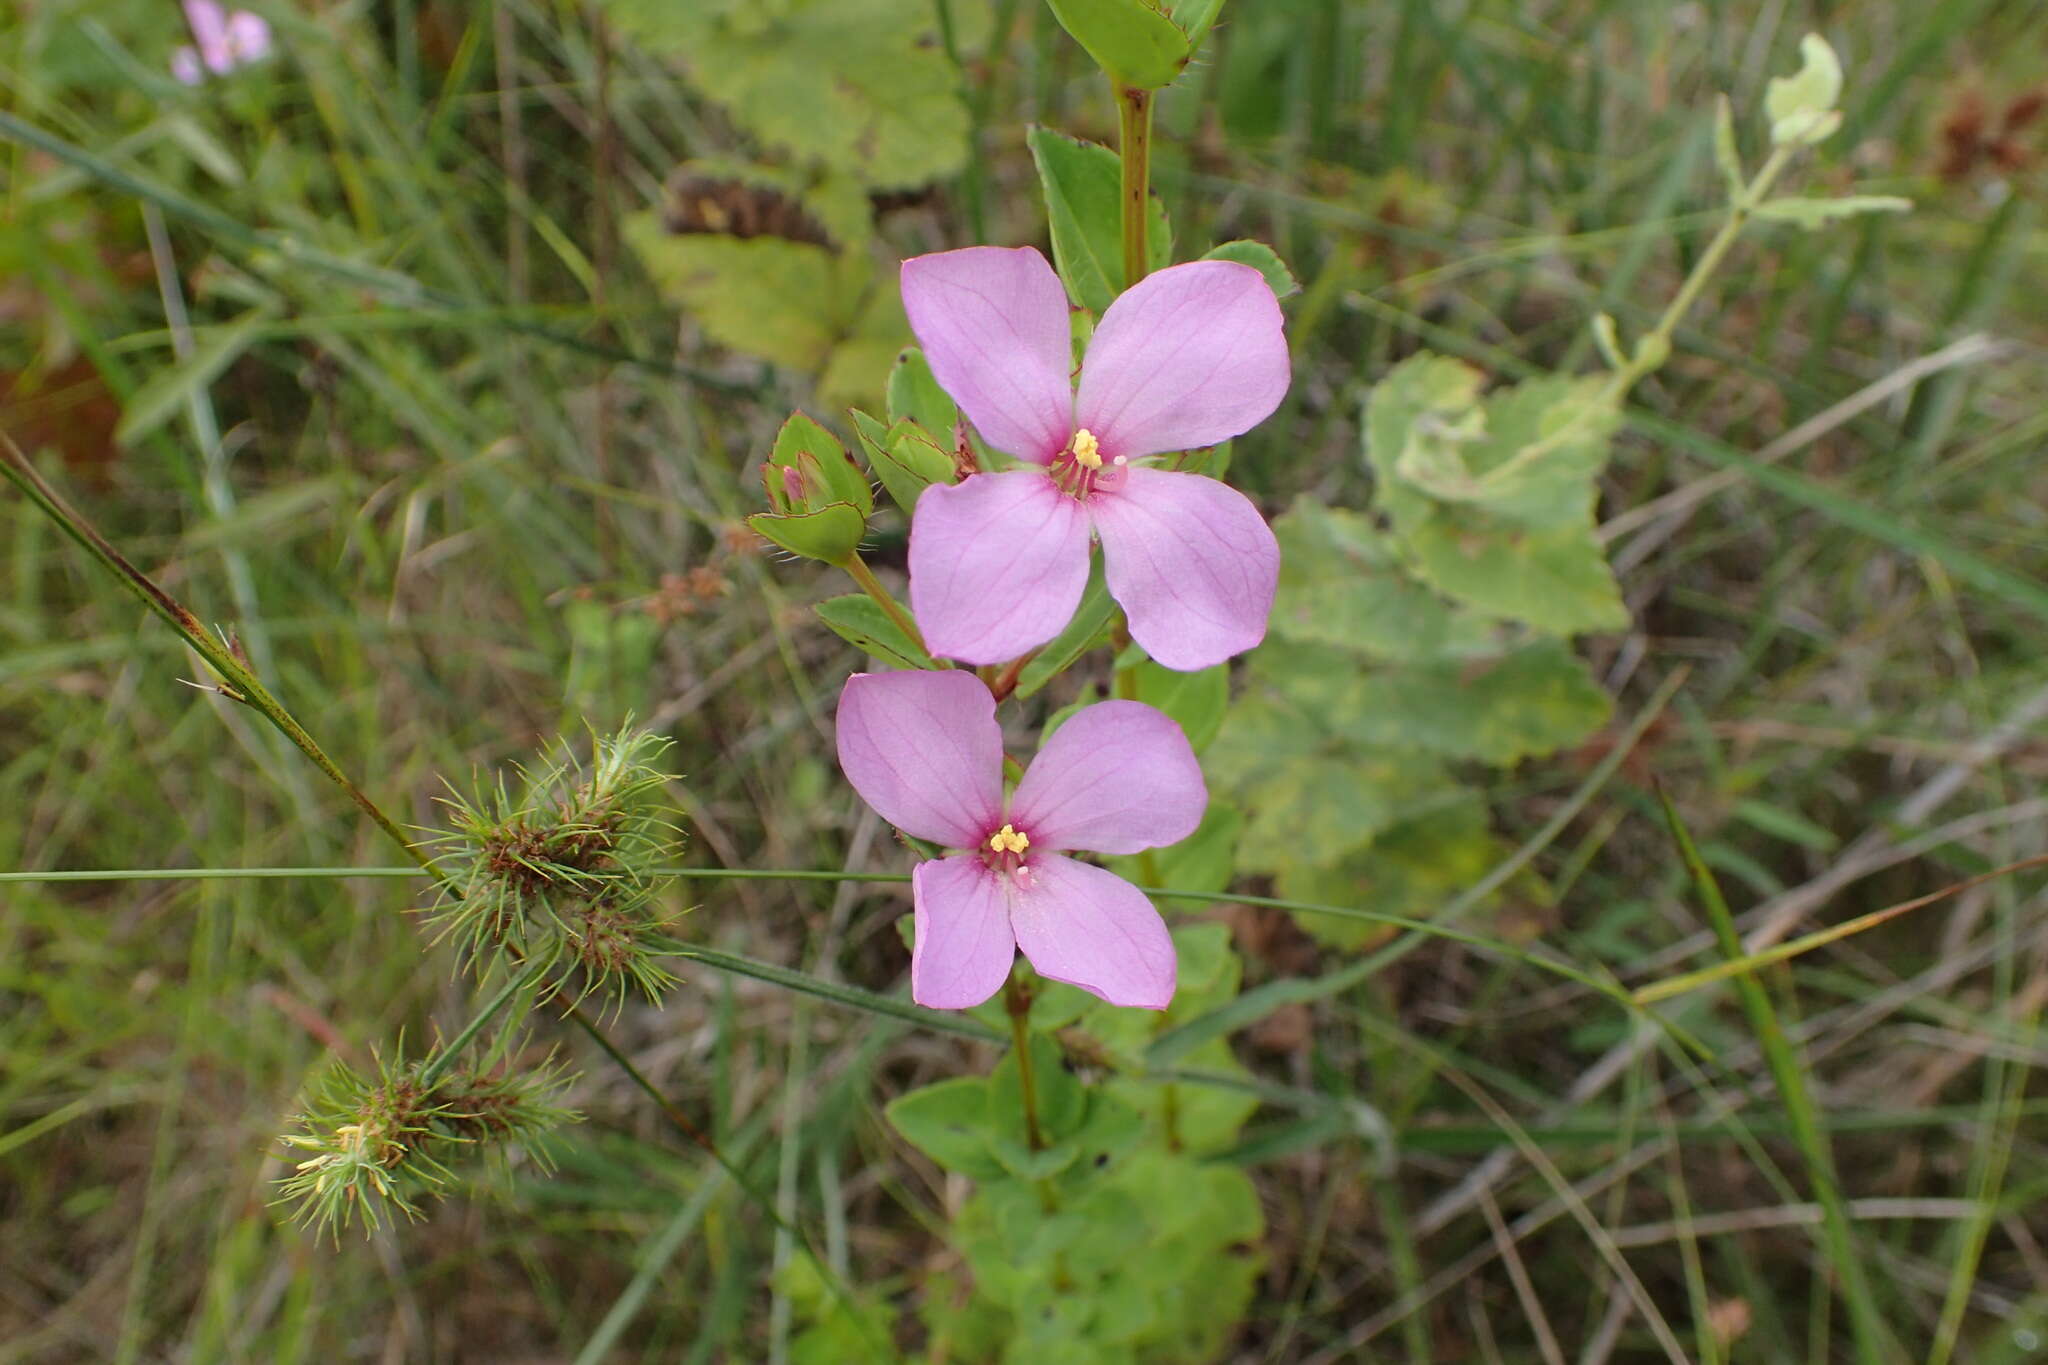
[[818, 497]]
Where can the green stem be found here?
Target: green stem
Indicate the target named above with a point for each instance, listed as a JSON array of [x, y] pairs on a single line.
[[239, 681], [1654, 349], [445, 1056], [858, 569], [1018, 1002], [1134, 125]]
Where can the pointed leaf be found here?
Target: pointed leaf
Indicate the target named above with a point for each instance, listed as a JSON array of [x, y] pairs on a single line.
[[859, 619], [1084, 205], [1261, 258], [1131, 40]]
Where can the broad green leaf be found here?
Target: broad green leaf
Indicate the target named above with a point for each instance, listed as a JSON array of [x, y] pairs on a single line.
[[915, 396], [1410, 869], [1802, 106], [1319, 810], [1089, 627], [1261, 258], [861, 85], [1084, 205], [795, 304], [161, 397], [1818, 213], [948, 1122], [1533, 701], [816, 454], [1555, 580], [1342, 583], [1131, 40], [859, 619], [788, 302], [832, 533]]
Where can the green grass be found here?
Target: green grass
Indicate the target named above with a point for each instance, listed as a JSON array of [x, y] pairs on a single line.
[[434, 442]]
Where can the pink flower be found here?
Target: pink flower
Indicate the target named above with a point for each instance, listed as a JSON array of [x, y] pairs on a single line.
[[225, 41], [925, 751], [1188, 357]]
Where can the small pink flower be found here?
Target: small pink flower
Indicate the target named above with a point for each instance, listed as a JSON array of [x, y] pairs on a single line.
[[1187, 357], [225, 41], [925, 751]]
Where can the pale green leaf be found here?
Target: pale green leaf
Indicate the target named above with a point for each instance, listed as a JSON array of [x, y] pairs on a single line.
[[1342, 583], [1555, 580], [864, 86], [1818, 213], [1801, 106], [1726, 155]]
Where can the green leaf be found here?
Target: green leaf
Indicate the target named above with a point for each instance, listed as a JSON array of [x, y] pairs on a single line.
[[828, 472], [948, 1122], [1089, 626], [1261, 258], [1556, 580], [1494, 497], [1131, 40], [170, 388], [915, 396], [904, 457], [1533, 701], [1342, 583], [1195, 17], [1818, 213], [1317, 811], [1411, 869], [832, 533], [861, 85], [1802, 106], [793, 303], [1084, 205], [860, 620], [1196, 701]]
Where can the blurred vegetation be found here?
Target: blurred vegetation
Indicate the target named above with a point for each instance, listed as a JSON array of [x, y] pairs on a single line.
[[435, 355]]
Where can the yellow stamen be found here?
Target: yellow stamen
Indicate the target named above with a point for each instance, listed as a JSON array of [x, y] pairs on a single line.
[[1008, 840], [1087, 450]]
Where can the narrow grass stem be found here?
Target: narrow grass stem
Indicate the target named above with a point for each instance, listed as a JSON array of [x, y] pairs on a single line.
[[444, 1056], [1874, 1346], [238, 681], [1134, 126], [858, 569]]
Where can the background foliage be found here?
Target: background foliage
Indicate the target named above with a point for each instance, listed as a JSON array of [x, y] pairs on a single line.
[[437, 356]]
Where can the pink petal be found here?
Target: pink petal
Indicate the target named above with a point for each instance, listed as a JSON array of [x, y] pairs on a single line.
[[248, 36], [925, 751], [185, 66], [1117, 777], [998, 563], [209, 26], [964, 946], [1191, 561], [1187, 357], [993, 324], [1092, 929]]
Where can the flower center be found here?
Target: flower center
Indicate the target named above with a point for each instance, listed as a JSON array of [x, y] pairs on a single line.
[[1003, 853], [1080, 469], [1087, 450], [1009, 840]]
